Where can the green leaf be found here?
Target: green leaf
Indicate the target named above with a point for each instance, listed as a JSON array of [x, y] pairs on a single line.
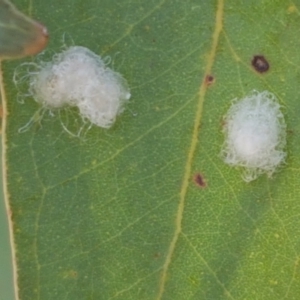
[[118, 213]]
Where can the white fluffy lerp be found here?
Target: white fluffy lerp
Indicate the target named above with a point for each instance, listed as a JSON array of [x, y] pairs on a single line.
[[255, 135], [79, 77]]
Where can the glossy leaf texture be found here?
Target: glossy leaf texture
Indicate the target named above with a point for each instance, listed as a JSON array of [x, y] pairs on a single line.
[[148, 209]]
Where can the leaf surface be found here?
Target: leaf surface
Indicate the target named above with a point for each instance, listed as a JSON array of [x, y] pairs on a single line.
[[118, 213]]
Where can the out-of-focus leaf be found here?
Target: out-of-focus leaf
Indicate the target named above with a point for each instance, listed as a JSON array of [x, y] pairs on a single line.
[[19, 35]]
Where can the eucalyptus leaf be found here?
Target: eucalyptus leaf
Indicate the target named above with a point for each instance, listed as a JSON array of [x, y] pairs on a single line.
[[148, 209]]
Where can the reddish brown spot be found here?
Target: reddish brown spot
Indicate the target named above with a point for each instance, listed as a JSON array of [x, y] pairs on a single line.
[[157, 255], [199, 180], [209, 79], [260, 64]]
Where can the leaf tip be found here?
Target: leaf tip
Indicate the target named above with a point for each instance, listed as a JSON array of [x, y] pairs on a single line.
[[39, 42]]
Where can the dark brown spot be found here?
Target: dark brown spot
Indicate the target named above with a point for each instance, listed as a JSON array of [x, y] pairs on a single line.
[[260, 64], [209, 79], [199, 180], [157, 255]]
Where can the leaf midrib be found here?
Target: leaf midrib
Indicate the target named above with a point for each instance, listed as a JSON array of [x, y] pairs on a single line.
[[193, 147]]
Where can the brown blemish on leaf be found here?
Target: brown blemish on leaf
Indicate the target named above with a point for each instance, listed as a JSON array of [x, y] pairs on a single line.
[[199, 180], [260, 64], [209, 79]]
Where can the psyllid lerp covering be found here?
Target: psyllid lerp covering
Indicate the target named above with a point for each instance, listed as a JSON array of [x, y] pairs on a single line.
[[79, 77], [255, 135]]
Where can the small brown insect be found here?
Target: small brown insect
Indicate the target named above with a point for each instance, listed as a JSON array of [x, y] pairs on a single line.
[[260, 64]]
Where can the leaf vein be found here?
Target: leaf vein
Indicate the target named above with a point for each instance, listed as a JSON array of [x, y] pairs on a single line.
[[193, 147]]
